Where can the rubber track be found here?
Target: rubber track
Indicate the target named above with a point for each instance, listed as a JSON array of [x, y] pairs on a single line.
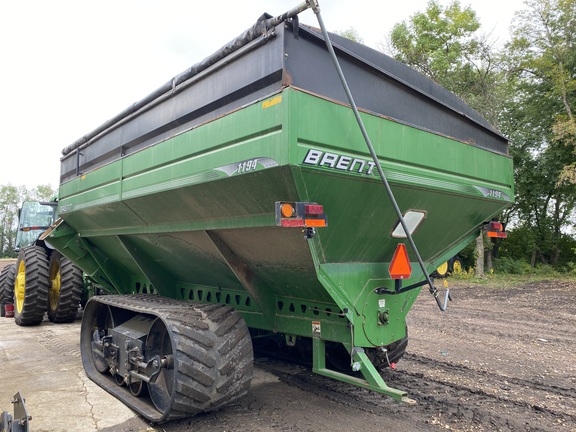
[[36, 293], [71, 286], [213, 359]]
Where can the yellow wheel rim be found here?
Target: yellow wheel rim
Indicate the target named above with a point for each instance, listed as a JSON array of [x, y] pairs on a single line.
[[442, 269], [54, 293], [20, 287], [457, 267]]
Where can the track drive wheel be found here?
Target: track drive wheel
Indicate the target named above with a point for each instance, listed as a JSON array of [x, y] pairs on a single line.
[[213, 361], [31, 286], [65, 291], [7, 278]]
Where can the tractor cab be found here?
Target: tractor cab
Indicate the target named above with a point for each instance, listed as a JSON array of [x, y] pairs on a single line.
[[34, 218]]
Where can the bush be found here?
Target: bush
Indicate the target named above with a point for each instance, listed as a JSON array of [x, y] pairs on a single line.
[[509, 265]]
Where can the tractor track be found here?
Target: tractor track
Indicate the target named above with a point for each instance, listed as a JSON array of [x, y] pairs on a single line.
[[209, 344], [442, 401], [499, 402], [53, 342], [485, 375]]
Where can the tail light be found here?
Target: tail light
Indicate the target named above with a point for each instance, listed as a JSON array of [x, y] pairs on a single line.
[[300, 214], [496, 230]]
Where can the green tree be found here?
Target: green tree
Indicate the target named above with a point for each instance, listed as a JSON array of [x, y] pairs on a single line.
[[352, 34], [9, 201], [11, 198], [43, 193], [542, 67], [445, 44]]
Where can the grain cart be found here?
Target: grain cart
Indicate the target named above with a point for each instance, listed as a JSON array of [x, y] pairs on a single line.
[[249, 197], [41, 279]]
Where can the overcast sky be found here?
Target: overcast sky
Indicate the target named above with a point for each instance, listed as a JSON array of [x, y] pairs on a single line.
[[69, 65]]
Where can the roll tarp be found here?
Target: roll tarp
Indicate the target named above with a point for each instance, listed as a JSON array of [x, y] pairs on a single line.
[[261, 27]]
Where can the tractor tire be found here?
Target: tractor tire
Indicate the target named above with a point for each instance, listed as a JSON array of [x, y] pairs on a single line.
[[441, 271], [31, 286], [65, 290], [7, 278], [457, 266]]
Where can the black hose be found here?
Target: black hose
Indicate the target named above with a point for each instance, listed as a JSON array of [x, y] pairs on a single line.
[[315, 7]]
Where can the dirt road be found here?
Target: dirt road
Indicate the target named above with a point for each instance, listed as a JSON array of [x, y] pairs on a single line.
[[499, 359]]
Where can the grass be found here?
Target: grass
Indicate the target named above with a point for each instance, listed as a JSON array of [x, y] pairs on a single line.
[[502, 280]]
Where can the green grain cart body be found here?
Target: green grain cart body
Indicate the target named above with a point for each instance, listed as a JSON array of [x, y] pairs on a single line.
[[176, 195]]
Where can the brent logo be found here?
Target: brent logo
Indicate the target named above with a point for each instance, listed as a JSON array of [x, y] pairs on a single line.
[[339, 162]]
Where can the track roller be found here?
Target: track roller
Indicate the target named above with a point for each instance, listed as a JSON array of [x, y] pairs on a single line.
[[164, 358]]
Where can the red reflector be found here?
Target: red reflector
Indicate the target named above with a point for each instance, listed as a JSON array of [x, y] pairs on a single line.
[[292, 222], [495, 226], [313, 209], [400, 267]]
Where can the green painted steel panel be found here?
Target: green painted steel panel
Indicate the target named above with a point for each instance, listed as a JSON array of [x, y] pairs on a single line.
[[194, 215]]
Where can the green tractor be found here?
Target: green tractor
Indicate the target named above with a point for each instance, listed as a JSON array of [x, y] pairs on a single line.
[[453, 266], [41, 279]]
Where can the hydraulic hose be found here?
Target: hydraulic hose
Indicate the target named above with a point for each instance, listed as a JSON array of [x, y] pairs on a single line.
[[313, 4]]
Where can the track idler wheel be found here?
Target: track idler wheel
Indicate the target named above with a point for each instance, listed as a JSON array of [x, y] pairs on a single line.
[[183, 358]]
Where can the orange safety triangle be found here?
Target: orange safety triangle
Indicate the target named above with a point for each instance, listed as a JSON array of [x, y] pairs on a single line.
[[400, 267]]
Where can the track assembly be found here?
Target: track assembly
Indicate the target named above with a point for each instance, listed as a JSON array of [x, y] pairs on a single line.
[[165, 358]]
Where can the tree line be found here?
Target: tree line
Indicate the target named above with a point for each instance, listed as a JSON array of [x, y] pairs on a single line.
[[11, 198], [527, 89]]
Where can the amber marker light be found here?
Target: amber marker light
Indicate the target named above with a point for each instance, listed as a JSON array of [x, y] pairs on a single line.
[[496, 230], [300, 214], [314, 223], [287, 210]]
